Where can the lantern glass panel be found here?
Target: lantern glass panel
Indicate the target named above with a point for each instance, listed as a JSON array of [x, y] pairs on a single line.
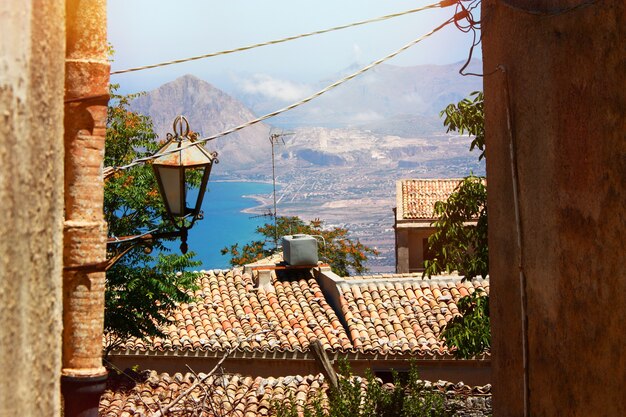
[[196, 176], [172, 181]]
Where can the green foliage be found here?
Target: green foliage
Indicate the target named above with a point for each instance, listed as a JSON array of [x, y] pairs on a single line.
[[131, 199], [367, 397], [343, 254], [457, 244], [470, 332], [467, 116], [141, 288], [460, 245]]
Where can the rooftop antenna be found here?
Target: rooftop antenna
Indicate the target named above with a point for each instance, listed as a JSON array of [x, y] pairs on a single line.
[[276, 139], [268, 213]]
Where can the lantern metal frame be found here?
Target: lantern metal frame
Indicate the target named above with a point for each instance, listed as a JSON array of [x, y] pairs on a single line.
[[181, 153]]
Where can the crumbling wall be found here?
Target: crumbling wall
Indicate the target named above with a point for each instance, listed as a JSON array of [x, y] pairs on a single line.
[[32, 52]]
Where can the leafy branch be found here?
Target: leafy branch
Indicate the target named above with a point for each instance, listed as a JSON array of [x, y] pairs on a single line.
[[460, 239], [469, 332], [141, 289], [467, 116], [343, 254]]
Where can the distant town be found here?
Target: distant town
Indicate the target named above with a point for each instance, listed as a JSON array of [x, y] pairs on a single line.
[[356, 189]]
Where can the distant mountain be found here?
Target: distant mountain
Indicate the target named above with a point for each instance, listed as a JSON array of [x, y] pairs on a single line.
[[322, 147], [406, 125], [375, 98], [209, 111], [389, 115]]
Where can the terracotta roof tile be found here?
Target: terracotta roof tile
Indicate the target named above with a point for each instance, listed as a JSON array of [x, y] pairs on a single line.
[[403, 316], [412, 275], [417, 197], [247, 396], [230, 312], [398, 314]]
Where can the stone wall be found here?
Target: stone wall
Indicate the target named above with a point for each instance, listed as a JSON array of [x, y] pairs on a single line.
[[32, 51]]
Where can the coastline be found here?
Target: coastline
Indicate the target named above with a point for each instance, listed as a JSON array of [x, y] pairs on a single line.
[[262, 201], [244, 180]]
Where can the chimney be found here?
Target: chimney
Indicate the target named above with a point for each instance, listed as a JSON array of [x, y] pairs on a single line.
[[264, 279]]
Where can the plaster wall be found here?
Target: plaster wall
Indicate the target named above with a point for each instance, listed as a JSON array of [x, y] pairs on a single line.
[[402, 251], [564, 86], [410, 248], [416, 248], [471, 372], [32, 51]]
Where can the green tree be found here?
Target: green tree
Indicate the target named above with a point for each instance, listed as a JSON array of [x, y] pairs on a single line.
[[469, 333], [468, 116], [141, 289], [460, 245], [366, 397], [344, 255], [457, 243]]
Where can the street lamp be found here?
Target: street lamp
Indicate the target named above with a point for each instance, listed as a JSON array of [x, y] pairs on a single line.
[[178, 163], [173, 165]]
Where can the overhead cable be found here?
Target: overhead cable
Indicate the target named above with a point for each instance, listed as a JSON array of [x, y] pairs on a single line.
[[471, 25], [441, 4], [110, 170]]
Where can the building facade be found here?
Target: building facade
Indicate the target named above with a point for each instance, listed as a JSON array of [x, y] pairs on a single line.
[[414, 215]]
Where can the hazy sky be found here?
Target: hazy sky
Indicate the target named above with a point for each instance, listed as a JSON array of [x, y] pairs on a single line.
[[150, 31]]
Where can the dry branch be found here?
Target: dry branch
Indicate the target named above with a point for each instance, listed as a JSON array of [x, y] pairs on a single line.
[[163, 411]]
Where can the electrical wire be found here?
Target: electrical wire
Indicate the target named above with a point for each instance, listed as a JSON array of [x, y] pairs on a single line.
[[472, 25], [109, 170], [441, 4], [515, 182]]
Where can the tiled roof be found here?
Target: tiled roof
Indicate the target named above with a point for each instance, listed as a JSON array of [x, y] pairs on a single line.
[[411, 275], [391, 314], [417, 197], [403, 316], [247, 396], [272, 259], [232, 313]]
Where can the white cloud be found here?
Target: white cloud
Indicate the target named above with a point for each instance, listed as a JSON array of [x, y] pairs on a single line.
[[367, 116], [358, 53], [275, 88]]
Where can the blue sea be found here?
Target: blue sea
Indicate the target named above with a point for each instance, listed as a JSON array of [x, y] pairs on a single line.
[[224, 224]]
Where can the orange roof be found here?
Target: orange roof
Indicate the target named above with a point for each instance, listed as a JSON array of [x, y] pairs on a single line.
[[403, 316], [244, 396], [407, 275], [416, 198], [229, 394], [391, 314], [232, 313]]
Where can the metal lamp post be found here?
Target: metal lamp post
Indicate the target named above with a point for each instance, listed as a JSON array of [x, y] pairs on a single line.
[[173, 165]]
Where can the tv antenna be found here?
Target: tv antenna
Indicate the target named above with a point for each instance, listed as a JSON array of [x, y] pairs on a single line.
[[268, 213], [276, 139]]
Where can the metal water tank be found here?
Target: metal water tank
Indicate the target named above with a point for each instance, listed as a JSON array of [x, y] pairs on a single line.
[[300, 250]]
